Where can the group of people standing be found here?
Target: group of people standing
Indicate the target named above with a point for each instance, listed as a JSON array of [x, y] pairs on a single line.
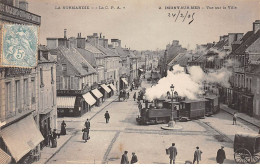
[[124, 159], [172, 151]]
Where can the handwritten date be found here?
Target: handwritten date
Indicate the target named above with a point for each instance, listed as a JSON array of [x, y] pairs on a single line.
[[182, 16]]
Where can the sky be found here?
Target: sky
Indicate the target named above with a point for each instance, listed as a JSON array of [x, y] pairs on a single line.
[[141, 25]]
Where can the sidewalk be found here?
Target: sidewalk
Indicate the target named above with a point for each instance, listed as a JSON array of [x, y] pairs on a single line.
[[242, 116], [47, 153]]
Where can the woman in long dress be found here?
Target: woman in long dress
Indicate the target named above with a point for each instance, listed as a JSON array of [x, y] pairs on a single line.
[[63, 128], [85, 135]]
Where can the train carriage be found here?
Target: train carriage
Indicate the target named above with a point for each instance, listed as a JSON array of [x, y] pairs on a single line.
[[212, 105], [192, 109]]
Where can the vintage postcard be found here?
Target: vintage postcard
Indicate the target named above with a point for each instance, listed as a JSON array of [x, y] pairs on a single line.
[[130, 82]]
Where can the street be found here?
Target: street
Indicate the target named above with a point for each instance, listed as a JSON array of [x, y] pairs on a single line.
[[108, 141]]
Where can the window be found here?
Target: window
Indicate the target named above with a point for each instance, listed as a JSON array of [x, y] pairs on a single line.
[[17, 95], [52, 80], [33, 87], [41, 77], [8, 99], [64, 68], [25, 92]]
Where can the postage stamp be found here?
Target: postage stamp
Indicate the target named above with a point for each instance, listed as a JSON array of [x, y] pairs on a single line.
[[19, 46]]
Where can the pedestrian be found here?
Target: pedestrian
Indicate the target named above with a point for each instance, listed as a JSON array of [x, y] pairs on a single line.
[[234, 118], [87, 124], [127, 95], [221, 155], [134, 96], [63, 128], [197, 155], [107, 116], [54, 139], [134, 158], [259, 131], [124, 159], [49, 138], [173, 153], [85, 135]]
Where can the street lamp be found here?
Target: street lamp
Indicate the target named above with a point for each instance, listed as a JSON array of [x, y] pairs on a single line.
[[174, 94]]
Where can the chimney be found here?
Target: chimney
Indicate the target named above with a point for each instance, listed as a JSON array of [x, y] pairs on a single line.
[[95, 34], [52, 43], [101, 41], [232, 37], [100, 35], [221, 38], [105, 43], [65, 33], [256, 26], [23, 4], [81, 42]]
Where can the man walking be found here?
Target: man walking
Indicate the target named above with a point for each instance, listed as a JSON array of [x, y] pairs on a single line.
[[173, 153], [87, 125], [221, 155], [134, 158], [107, 116], [234, 118], [197, 155], [134, 96], [124, 159]]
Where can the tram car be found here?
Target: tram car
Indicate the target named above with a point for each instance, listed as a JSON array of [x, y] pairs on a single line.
[[192, 109], [159, 111], [212, 105], [183, 110]]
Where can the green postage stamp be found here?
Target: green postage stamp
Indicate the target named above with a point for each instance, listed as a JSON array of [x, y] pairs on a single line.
[[19, 46]]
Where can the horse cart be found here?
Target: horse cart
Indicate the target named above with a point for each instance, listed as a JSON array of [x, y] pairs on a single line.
[[123, 95], [247, 148]]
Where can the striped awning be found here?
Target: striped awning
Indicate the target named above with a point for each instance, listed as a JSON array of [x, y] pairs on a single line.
[[66, 101], [4, 157], [89, 99], [21, 137], [124, 80], [106, 88], [97, 93], [112, 87]]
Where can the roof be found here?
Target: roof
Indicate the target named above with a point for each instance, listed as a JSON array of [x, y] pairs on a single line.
[[121, 52], [92, 48], [42, 48], [77, 60], [192, 101], [88, 56], [247, 42], [107, 51]]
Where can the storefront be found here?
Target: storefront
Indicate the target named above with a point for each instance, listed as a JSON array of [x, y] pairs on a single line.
[[113, 88], [105, 91], [45, 127], [89, 101], [21, 138], [123, 83], [66, 106], [98, 96]]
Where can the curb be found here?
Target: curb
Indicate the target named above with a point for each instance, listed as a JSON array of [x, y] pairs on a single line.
[[75, 133], [224, 109]]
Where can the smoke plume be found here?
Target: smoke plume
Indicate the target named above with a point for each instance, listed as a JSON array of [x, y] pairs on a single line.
[[188, 84]]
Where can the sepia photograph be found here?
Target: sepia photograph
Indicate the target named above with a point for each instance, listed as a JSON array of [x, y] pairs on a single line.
[[130, 82]]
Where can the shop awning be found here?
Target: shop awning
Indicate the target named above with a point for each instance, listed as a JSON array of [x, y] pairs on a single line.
[[89, 99], [125, 81], [4, 157], [106, 88], [21, 137], [97, 93], [112, 87], [66, 101]]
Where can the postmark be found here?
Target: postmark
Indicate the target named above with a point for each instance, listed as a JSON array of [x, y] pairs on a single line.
[[19, 47]]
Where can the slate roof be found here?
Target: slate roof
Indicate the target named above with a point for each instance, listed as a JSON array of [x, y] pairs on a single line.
[[107, 51], [247, 42], [77, 60], [92, 48], [181, 59], [88, 56]]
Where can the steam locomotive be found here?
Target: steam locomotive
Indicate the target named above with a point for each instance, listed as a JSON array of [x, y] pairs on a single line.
[[161, 110]]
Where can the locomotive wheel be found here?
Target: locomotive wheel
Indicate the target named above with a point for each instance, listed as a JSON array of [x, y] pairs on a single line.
[[256, 158], [242, 156]]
